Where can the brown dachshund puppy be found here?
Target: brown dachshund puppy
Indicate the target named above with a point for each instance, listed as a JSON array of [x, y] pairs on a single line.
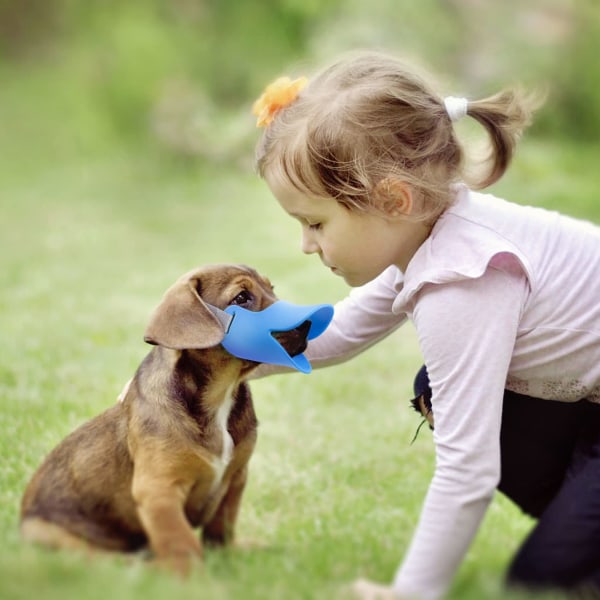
[[173, 455]]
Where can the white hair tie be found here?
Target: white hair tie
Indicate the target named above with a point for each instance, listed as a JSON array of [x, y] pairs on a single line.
[[456, 107]]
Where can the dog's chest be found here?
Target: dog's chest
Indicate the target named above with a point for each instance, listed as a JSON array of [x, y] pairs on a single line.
[[222, 459], [218, 453]]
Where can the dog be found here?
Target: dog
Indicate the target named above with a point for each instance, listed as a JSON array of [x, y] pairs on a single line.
[[173, 455]]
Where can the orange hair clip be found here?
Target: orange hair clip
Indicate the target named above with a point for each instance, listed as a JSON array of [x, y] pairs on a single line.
[[277, 95]]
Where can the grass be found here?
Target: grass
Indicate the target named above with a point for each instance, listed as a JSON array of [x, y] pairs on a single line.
[[89, 245]]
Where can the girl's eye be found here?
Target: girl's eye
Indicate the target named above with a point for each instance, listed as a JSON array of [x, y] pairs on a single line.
[[242, 299], [314, 226]]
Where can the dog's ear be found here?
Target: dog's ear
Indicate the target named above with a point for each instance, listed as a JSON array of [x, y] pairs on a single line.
[[182, 320]]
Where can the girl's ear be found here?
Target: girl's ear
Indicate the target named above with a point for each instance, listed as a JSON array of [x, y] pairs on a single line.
[[393, 197]]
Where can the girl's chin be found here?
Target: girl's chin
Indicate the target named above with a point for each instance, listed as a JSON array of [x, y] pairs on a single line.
[[353, 280]]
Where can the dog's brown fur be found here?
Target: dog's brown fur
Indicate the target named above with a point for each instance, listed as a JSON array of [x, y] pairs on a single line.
[[173, 455]]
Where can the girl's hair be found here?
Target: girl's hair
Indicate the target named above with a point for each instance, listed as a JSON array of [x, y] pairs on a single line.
[[367, 118]]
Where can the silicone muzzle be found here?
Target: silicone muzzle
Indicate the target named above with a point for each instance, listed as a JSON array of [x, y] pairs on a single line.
[[249, 334]]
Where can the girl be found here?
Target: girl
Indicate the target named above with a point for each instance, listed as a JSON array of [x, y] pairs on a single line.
[[504, 299]]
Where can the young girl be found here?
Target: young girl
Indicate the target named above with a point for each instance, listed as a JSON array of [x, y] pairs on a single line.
[[504, 299]]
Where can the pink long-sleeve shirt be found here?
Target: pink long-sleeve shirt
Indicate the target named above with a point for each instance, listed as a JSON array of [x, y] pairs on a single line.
[[501, 296]]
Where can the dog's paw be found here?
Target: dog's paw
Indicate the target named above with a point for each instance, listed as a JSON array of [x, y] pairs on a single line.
[[181, 565]]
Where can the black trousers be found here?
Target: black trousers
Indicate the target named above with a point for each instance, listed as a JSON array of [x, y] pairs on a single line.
[[550, 455]]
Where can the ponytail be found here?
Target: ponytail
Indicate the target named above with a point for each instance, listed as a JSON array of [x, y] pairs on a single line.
[[504, 116]]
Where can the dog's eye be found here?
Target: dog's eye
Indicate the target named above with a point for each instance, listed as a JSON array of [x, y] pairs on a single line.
[[242, 299]]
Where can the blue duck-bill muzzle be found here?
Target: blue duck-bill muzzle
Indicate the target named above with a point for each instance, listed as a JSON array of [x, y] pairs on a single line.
[[249, 334]]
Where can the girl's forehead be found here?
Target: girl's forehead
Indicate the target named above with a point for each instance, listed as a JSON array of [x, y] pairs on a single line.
[[291, 166], [296, 202], [281, 182]]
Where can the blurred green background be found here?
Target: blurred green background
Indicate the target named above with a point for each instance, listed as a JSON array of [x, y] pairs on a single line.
[[178, 76], [126, 158]]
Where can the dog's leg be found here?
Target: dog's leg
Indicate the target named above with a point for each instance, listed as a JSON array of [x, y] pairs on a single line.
[[171, 538], [160, 488], [51, 535], [220, 526], [55, 537], [220, 530]]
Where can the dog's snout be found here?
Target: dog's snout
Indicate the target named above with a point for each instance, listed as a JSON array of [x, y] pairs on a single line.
[[294, 341]]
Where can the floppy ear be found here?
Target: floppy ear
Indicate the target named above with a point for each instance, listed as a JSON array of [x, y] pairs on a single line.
[[182, 321]]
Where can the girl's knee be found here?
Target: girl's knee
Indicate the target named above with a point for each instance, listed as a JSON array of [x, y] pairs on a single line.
[[527, 573], [535, 570]]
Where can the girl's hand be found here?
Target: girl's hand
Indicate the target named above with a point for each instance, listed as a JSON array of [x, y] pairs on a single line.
[[363, 589]]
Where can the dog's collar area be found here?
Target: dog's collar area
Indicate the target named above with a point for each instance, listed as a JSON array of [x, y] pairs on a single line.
[[248, 334]]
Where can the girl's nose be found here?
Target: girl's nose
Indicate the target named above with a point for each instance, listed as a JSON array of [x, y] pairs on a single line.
[[309, 246]]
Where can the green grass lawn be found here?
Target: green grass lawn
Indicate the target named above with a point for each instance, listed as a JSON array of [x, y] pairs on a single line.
[[89, 245]]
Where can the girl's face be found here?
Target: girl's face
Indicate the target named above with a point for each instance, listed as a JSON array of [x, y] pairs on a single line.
[[355, 245]]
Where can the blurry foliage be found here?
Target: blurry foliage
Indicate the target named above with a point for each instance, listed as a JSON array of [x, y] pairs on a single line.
[[576, 83], [185, 72], [135, 61]]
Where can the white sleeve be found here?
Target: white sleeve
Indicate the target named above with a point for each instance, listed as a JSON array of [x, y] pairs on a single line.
[[360, 320], [467, 332]]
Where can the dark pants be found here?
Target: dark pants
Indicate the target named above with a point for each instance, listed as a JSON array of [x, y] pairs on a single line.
[[550, 454]]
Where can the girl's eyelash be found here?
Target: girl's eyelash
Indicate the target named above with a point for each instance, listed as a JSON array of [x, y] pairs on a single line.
[[314, 225]]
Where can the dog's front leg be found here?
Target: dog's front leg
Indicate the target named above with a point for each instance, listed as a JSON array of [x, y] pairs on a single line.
[[220, 526], [159, 490], [220, 530], [172, 540]]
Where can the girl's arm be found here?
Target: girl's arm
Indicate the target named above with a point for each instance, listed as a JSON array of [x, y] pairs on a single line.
[[362, 319], [467, 331]]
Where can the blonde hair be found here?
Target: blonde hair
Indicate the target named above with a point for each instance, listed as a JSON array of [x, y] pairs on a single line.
[[367, 118]]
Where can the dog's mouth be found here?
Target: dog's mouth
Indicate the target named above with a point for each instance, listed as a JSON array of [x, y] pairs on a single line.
[[273, 335], [294, 341]]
